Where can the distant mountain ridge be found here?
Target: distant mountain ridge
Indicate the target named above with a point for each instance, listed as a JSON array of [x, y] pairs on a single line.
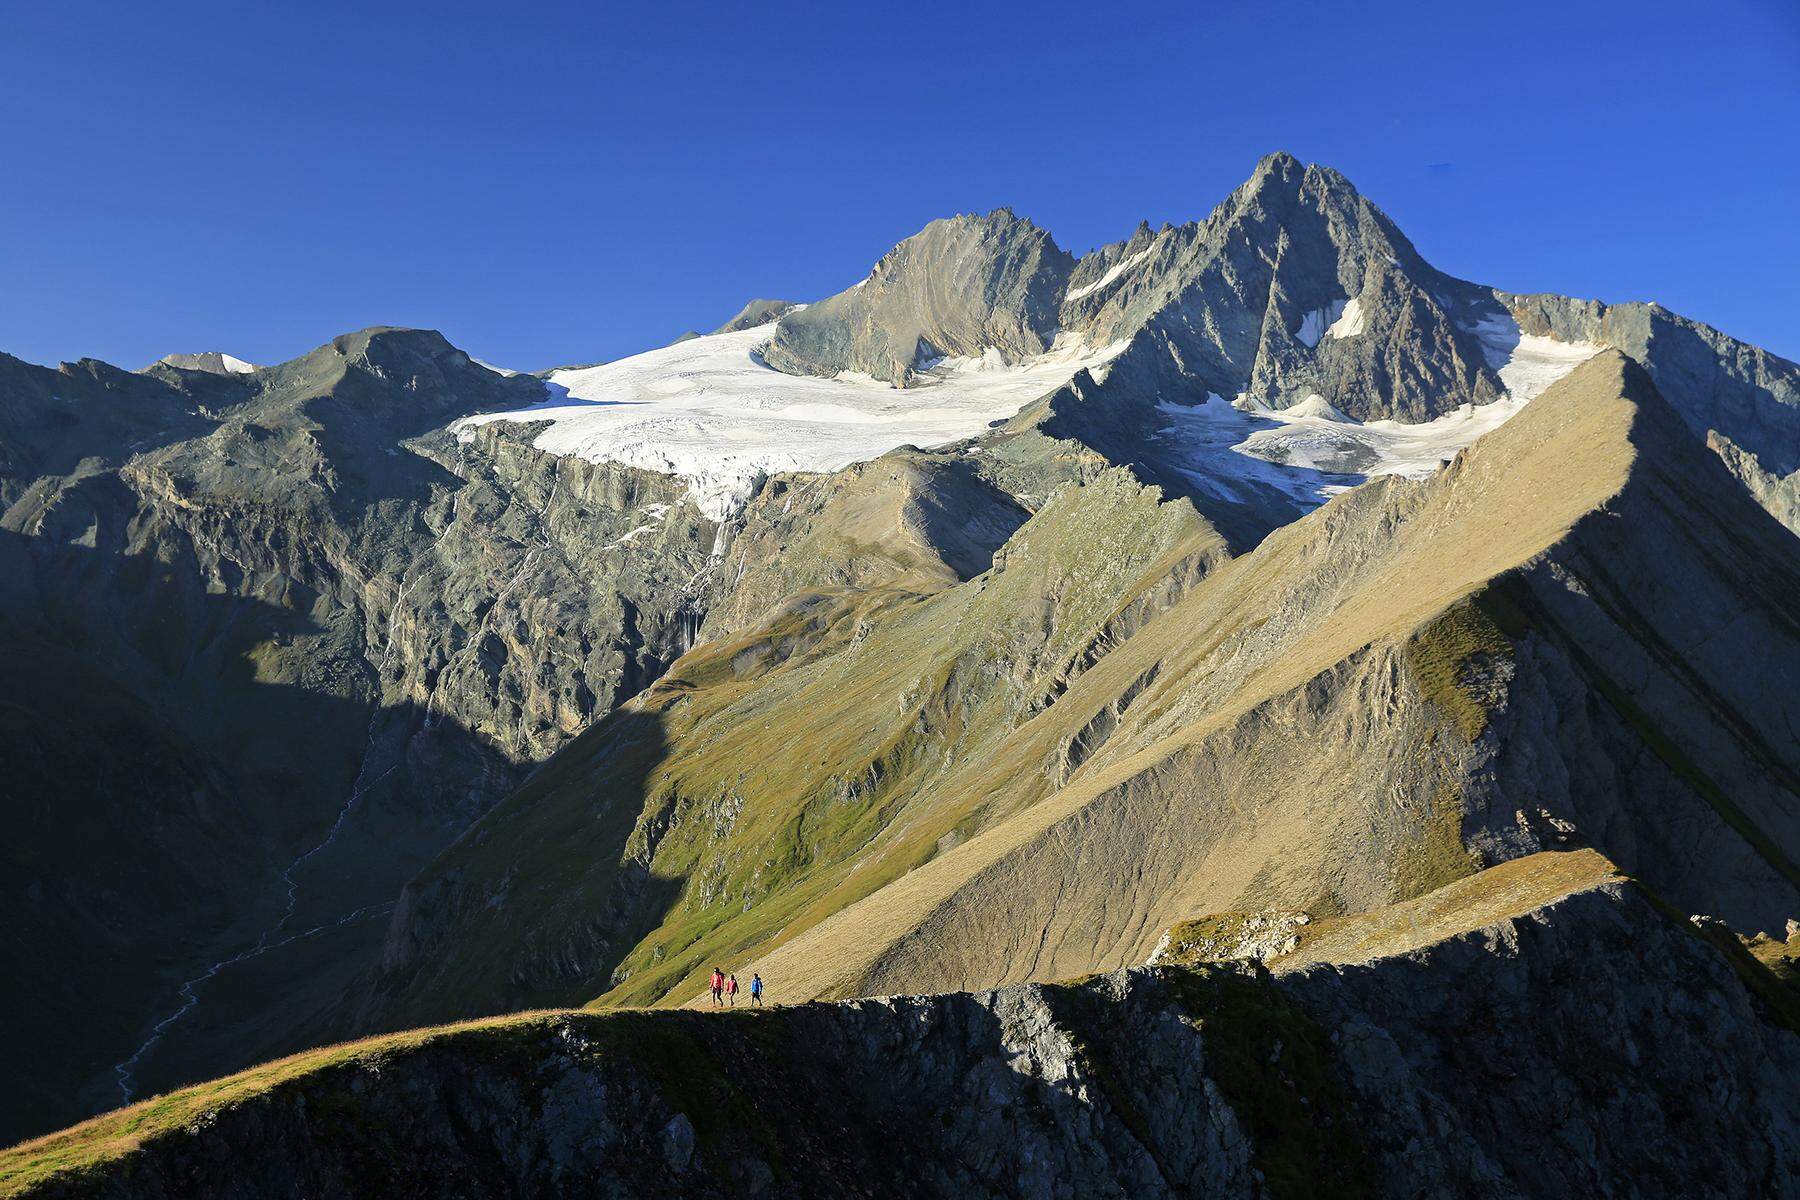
[[968, 627], [1298, 286]]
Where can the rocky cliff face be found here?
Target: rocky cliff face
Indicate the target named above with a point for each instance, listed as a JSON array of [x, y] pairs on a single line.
[[1295, 285], [355, 631], [959, 287], [1562, 1049]]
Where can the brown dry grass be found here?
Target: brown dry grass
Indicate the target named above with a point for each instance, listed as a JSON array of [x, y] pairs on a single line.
[[113, 1135], [1499, 893], [1059, 887]]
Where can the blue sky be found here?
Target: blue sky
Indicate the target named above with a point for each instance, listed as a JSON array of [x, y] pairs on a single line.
[[572, 182]]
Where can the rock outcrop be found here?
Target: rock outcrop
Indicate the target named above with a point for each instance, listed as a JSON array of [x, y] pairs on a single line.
[[757, 312], [960, 287], [344, 634], [214, 362], [1558, 1050]]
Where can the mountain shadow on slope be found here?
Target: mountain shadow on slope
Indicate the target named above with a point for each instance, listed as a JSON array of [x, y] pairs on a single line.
[[1443, 1068], [285, 575], [156, 787], [602, 851]]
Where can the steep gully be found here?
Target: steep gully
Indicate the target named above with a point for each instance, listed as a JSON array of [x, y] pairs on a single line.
[[189, 992]]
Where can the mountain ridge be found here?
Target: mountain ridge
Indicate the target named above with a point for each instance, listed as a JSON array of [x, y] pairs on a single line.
[[486, 633], [1162, 1081], [927, 779]]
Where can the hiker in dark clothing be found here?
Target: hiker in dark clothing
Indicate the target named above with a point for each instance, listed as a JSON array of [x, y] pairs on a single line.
[[756, 990], [718, 984]]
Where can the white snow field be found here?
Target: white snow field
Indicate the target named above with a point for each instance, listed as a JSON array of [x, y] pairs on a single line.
[[709, 411], [1310, 451], [1527, 363], [1313, 434]]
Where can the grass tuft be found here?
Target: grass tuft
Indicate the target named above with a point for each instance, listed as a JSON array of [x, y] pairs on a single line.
[[1446, 656]]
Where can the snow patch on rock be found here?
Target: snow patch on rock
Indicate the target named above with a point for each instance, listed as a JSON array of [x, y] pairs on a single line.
[[1317, 406], [1106, 280], [1314, 324], [216, 361], [1349, 322], [1527, 363]]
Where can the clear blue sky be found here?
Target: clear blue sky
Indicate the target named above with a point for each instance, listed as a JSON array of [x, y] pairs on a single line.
[[571, 182]]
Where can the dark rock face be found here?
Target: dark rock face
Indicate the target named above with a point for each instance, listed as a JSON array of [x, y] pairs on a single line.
[[1247, 301], [958, 287], [1576, 1028], [351, 631], [1588, 1042], [1619, 660]]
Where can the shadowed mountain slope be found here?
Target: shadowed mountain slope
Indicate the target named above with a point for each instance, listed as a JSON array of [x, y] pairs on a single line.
[[1443, 1067], [323, 617]]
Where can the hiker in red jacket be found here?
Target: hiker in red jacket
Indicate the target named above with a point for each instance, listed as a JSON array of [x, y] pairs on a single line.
[[718, 984], [731, 991]]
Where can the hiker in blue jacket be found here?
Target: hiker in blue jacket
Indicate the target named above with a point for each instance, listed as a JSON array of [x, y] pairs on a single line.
[[756, 990]]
